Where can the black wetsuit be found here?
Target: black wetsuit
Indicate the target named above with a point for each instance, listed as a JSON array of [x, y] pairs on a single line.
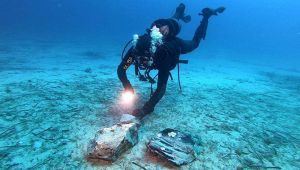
[[166, 57]]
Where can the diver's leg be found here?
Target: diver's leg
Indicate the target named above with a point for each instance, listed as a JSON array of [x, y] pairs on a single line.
[[200, 33], [201, 30], [190, 45]]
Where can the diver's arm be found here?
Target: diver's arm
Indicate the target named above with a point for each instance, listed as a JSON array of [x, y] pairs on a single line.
[[163, 76], [122, 68]]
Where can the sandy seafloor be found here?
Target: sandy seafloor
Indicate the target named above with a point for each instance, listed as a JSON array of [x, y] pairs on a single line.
[[55, 96]]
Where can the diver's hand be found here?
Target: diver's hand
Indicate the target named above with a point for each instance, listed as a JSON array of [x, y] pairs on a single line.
[[129, 88], [138, 113], [142, 112], [127, 96]]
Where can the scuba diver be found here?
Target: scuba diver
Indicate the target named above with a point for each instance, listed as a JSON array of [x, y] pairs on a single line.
[[159, 48]]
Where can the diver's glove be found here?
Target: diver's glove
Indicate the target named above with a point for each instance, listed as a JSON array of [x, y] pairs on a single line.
[[129, 88], [138, 113], [142, 112]]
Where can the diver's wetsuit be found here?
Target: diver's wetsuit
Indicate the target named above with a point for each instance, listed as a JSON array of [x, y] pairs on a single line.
[[165, 60]]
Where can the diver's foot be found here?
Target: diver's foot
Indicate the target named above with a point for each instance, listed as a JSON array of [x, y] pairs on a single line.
[[208, 12]]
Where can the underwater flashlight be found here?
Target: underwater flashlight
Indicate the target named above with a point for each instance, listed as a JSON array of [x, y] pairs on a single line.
[[127, 97]]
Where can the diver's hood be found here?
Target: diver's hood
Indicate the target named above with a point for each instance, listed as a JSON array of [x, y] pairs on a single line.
[[174, 27]]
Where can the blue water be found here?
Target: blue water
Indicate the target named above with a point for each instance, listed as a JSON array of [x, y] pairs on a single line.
[[247, 66], [268, 31]]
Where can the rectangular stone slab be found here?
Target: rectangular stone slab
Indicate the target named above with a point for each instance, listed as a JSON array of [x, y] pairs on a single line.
[[174, 146]]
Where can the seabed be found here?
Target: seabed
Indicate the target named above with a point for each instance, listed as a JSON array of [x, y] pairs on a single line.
[[55, 96]]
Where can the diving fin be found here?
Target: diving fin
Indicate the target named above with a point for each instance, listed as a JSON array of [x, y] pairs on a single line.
[[179, 14], [187, 19], [220, 9], [207, 12]]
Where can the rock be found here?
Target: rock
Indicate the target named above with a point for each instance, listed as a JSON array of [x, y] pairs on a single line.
[[128, 118], [88, 70], [174, 146], [7, 90], [110, 143]]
